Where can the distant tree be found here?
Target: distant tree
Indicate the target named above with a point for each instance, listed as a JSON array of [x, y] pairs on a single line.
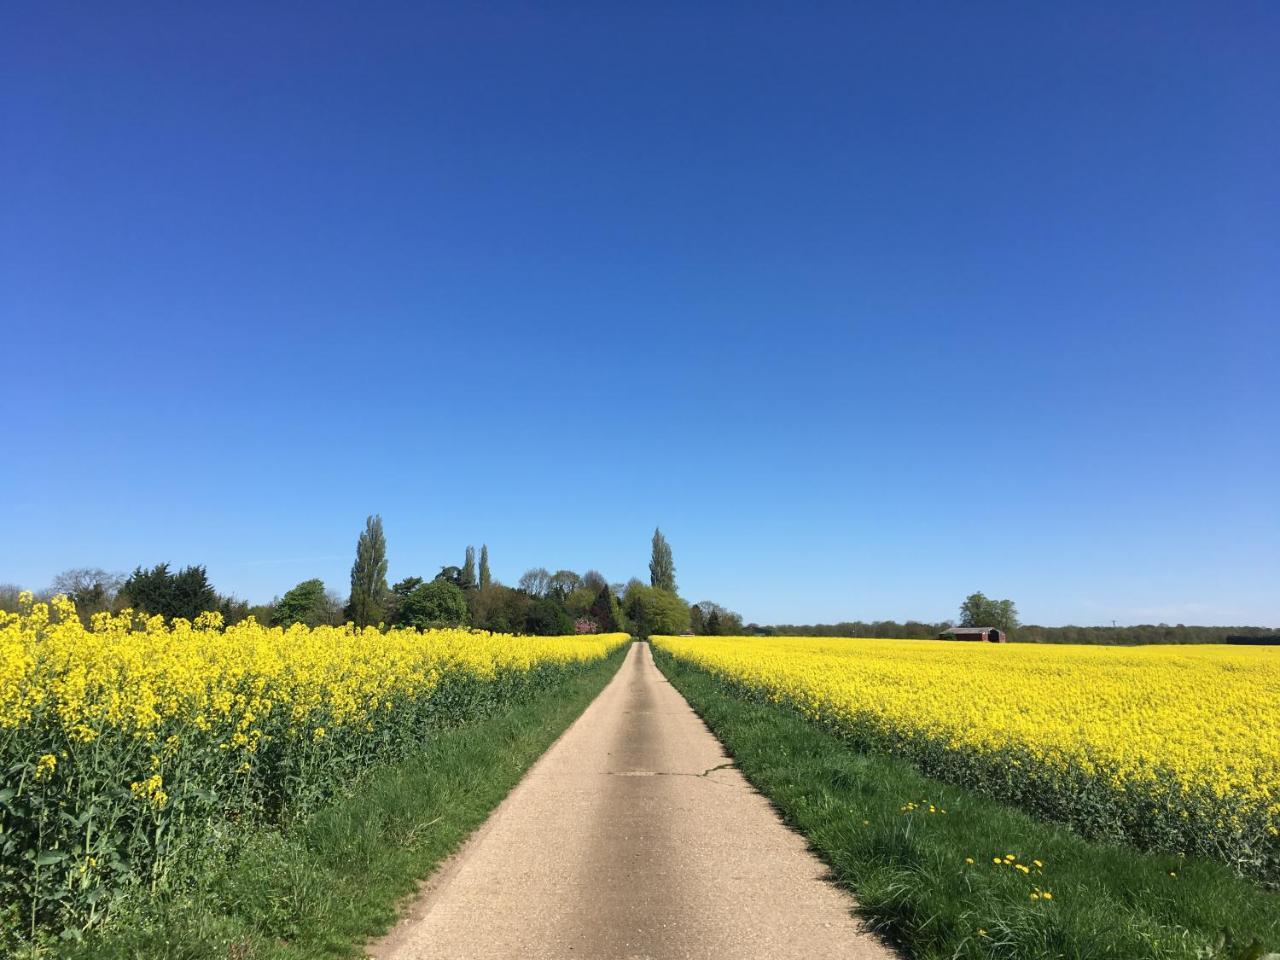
[[467, 579], [662, 569], [594, 581], [605, 611], [9, 593], [697, 624], [485, 578], [233, 609], [713, 624], [450, 574], [651, 610], [548, 618], [435, 604], [369, 575], [981, 611], [499, 609], [306, 604], [396, 595], [92, 590], [186, 593], [534, 582], [562, 583], [579, 603]]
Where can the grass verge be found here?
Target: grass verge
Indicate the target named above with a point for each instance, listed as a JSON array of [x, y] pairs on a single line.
[[919, 855], [323, 889]]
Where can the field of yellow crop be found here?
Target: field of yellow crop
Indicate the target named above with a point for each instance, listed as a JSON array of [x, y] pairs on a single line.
[[129, 748], [1168, 747]]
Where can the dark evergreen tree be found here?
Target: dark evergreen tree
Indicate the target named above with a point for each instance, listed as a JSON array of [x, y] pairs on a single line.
[[485, 578]]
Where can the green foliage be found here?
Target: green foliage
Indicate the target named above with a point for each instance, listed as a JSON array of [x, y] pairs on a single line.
[[980, 611], [369, 575], [662, 568], [548, 618], [467, 575], [579, 602], [435, 604], [868, 815], [323, 887], [186, 593], [651, 610], [485, 577], [712, 620], [306, 603], [606, 611], [499, 609]]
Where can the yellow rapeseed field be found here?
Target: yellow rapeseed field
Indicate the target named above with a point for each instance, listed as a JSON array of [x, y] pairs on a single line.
[[126, 747], [1171, 747]]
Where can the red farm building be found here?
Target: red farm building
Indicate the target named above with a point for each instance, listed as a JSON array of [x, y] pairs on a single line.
[[988, 634]]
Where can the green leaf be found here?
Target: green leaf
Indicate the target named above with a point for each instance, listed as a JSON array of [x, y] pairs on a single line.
[[46, 858]]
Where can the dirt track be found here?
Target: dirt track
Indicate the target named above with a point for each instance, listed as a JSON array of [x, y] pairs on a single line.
[[633, 838]]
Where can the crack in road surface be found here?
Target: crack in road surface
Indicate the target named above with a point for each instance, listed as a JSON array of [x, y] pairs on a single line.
[[609, 850]]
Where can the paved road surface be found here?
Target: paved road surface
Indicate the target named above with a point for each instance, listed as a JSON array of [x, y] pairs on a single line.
[[633, 838]]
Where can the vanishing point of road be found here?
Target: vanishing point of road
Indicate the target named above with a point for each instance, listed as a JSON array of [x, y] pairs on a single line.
[[633, 838]]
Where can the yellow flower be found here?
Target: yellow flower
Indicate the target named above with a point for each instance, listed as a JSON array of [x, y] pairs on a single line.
[[46, 766], [1130, 724], [968, 860]]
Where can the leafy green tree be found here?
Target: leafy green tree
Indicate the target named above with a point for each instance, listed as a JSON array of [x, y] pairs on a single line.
[[395, 597], [499, 609], [979, 610], [548, 618], [467, 577], [652, 610], [662, 569], [435, 604], [485, 577], [307, 603], [369, 575], [697, 623], [186, 593]]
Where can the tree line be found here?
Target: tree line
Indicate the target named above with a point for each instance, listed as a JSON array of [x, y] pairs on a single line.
[[543, 602]]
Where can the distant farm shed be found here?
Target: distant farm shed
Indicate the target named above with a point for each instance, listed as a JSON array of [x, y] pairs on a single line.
[[989, 634]]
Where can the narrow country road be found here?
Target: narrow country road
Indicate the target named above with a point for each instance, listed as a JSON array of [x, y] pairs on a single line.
[[633, 838]]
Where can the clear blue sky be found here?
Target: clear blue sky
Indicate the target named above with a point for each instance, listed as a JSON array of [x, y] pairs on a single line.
[[869, 306]]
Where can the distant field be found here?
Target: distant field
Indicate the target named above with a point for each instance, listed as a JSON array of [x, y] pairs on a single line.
[[1174, 748]]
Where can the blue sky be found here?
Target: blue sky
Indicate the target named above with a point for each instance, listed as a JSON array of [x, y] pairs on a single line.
[[868, 306]]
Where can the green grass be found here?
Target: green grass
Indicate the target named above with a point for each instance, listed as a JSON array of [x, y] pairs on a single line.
[[323, 889], [908, 868]]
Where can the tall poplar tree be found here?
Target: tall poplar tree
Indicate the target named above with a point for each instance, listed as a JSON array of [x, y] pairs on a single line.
[[468, 578], [369, 575], [662, 569], [485, 578]]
